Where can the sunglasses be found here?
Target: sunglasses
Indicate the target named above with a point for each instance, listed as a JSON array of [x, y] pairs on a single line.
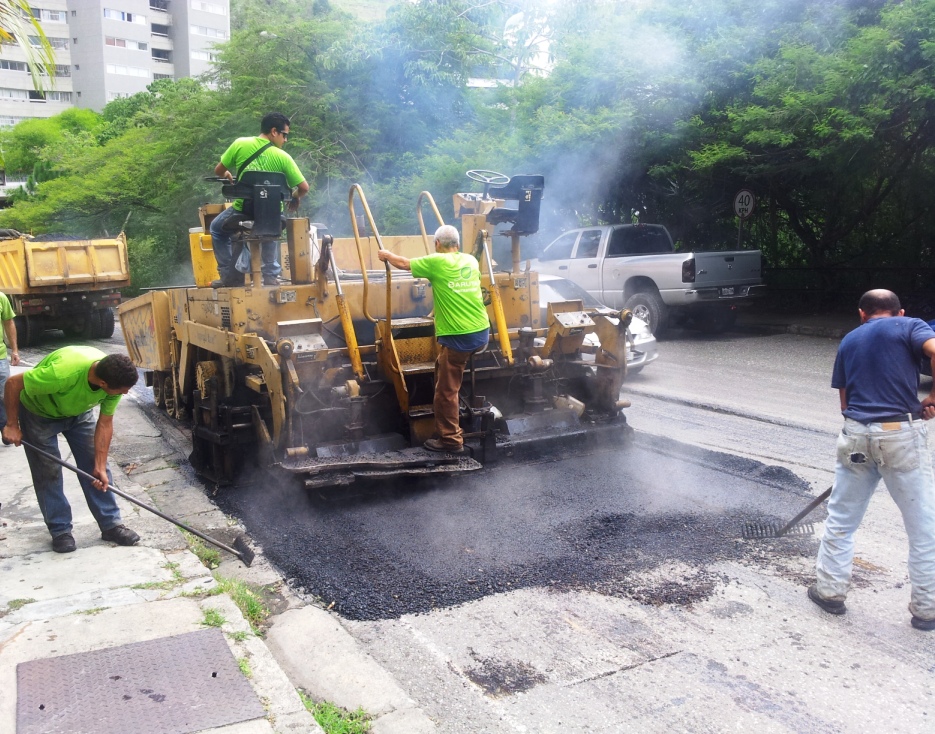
[[285, 135]]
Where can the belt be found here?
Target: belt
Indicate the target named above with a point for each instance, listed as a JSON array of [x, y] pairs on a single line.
[[901, 418]]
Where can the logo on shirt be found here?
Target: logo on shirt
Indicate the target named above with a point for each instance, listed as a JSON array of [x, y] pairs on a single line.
[[465, 273]]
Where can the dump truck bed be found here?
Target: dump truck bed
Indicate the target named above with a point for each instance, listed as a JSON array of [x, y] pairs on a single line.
[[29, 266]]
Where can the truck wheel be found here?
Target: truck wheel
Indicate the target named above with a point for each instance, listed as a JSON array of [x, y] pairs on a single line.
[[26, 331], [107, 325], [159, 386], [91, 327], [650, 308]]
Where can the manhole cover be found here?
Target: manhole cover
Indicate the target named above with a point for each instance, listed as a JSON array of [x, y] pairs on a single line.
[[171, 685]]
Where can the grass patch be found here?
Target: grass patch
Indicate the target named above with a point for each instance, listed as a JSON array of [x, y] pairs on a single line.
[[335, 720], [238, 636], [213, 618], [91, 612], [247, 600], [209, 557], [245, 668], [19, 603], [177, 578]]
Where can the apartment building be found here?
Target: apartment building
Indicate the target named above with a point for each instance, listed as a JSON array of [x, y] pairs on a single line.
[[107, 49]]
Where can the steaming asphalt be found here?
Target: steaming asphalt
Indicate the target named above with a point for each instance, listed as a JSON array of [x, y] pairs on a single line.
[[589, 522]]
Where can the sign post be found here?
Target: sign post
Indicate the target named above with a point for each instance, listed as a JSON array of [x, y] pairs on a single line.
[[744, 204]]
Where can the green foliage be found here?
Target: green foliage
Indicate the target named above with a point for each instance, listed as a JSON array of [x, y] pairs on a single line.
[[213, 618], [335, 720], [247, 599]]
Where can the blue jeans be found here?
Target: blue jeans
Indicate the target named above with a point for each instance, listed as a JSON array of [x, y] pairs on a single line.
[[221, 242], [899, 454], [4, 374], [47, 475]]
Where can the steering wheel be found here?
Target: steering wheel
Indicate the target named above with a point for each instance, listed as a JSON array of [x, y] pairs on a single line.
[[487, 178]]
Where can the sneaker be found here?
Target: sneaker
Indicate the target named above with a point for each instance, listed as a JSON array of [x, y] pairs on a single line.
[[272, 280], [926, 625], [224, 283], [832, 606], [121, 535], [434, 444], [64, 543]]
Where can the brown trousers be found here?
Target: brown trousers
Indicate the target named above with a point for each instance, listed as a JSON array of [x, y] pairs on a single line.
[[449, 371]]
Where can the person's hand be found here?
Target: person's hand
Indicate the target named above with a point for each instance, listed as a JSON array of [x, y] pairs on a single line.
[[12, 434], [293, 205], [14, 359], [928, 408], [229, 176], [384, 255], [101, 480]]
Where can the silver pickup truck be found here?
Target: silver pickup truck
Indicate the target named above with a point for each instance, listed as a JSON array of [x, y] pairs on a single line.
[[636, 266]]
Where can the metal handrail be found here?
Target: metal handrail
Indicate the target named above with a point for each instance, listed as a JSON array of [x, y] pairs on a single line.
[[423, 196], [502, 332], [360, 253]]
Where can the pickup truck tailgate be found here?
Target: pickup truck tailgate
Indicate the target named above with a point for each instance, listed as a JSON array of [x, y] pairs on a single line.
[[740, 267]]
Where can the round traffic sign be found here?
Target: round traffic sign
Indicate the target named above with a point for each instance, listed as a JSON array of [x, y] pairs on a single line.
[[744, 203]]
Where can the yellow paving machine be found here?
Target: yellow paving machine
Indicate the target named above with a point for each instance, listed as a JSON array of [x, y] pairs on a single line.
[[330, 374]]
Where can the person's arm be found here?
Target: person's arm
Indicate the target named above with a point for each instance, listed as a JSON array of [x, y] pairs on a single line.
[[11, 431], [928, 404], [843, 395], [9, 328], [297, 193], [397, 261], [221, 170], [103, 434]]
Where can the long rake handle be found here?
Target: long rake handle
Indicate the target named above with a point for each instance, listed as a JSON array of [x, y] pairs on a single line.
[[811, 506], [120, 493]]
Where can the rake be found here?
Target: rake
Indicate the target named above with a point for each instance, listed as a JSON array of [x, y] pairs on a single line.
[[761, 530], [241, 550]]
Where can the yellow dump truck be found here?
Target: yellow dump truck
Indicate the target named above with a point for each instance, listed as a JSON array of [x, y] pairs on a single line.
[[57, 283], [329, 375]]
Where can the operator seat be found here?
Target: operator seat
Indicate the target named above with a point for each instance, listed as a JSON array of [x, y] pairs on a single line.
[[262, 193], [526, 190]]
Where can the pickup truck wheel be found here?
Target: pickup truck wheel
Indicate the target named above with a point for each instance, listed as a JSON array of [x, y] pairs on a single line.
[[650, 308]]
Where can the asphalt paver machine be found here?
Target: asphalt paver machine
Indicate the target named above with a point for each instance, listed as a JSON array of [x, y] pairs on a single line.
[[329, 375]]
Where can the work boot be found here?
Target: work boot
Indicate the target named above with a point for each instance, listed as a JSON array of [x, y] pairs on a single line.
[[65, 543], [926, 625], [832, 606], [121, 535], [435, 444], [227, 282], [272, 280]]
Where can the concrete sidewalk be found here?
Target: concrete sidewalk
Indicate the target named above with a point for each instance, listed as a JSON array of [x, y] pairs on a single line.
[[103, 596]]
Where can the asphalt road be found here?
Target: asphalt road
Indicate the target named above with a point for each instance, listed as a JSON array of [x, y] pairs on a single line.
[[611, 591]]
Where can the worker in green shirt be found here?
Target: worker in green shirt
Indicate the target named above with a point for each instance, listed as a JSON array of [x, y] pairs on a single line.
[[57, 396], [255, 153], [461, 326], [9, 330]]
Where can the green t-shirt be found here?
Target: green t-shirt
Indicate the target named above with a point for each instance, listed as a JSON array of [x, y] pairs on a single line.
[[459, 304], [6, 313], [58, 386], [272, 160]]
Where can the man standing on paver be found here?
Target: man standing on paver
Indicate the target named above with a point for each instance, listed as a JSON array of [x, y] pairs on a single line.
[[57, 397], [461, 325], [9, 330], [877, 374]]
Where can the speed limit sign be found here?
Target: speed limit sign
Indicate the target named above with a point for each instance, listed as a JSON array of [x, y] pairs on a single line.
[[744, 203]]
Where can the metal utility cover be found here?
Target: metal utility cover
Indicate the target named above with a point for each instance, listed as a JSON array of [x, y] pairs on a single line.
[[171, 685]]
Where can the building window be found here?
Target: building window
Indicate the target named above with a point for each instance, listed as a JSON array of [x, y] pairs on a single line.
[[122, 70], [10, 121], [205, 56], [62, 70], [49, 16], [125, 43], [160, 30], [207, 7], [13, 65], [163, 56], [119, 95], [21, 94], [124, 16], [162, 5], [201, 30], [157, 77], [35, 96], [53, 42]]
